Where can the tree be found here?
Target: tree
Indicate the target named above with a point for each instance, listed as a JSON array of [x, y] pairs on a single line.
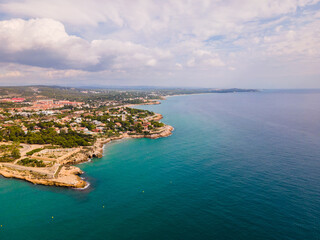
[[15, 153]]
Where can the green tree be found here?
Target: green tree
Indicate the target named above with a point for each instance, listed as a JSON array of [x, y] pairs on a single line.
[[15, 153]]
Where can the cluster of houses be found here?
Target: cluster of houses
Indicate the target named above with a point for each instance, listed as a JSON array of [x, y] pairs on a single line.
[[43, 105], [50, 104], [14, 100], [73, 120], [65, 119]]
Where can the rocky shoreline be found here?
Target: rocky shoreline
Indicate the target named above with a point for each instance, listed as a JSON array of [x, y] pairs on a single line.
[[63, 173]]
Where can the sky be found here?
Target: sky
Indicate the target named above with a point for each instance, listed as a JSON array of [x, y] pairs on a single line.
[[197, 43]]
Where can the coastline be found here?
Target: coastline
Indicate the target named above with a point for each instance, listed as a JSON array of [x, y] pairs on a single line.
[[64, 173]]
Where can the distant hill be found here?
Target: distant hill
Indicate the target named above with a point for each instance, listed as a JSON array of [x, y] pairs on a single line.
[[83, 94]]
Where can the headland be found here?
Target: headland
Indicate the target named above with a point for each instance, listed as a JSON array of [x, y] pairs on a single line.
[[46, 131]]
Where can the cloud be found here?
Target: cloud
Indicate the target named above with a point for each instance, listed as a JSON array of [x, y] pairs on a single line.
[[45, 43], [179, 66], [11, 74], [297, 39], [217, 42], [206, 59], [70, 73], [201, 18]]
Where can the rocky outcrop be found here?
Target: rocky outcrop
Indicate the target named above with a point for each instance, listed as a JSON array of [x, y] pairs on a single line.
[[167, 131], [68, 177], [164, 132], [151, 103], [158, 117]]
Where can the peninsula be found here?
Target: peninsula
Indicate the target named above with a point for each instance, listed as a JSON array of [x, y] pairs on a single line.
[[46, 131]]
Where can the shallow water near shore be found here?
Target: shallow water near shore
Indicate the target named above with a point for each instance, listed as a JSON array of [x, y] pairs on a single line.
[[238, 166]]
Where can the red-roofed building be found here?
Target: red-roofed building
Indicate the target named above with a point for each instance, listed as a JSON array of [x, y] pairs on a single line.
[[18, 99], [12, 100]]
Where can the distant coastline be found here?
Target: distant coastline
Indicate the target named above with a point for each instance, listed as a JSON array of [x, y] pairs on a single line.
[[46, 131]]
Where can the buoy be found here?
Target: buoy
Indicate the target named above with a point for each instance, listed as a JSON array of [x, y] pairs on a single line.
[[103, 206], [52, 217]]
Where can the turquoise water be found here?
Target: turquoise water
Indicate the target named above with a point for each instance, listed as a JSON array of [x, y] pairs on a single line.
[[238, 166]]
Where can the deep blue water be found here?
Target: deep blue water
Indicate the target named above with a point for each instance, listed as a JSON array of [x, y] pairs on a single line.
[[238, 166]]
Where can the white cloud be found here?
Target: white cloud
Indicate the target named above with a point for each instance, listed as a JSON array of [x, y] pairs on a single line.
[[45, 43], [179, 66], [11, 74], [205, 58], [202, 18], [69, 73], [297, 40], [130, 40]]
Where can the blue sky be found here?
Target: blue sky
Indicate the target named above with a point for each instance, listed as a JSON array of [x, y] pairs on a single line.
[[229, 43]]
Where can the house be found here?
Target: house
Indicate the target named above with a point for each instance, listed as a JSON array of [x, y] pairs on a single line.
[[17, 100], [78, 120], [96, 130], [96, 122], [57, 130], [145, 126], [25, 129]]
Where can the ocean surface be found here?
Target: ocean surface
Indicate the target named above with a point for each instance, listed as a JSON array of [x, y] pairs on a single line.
[[238, 166]]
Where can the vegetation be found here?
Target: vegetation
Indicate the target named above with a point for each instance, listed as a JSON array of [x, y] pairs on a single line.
[[29, 162], [47, 136], [9, 152], [157, 124], [34, 151], [15, 154], [11, 105]]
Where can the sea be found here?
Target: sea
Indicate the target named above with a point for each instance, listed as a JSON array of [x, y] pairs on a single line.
[[237, 166]]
